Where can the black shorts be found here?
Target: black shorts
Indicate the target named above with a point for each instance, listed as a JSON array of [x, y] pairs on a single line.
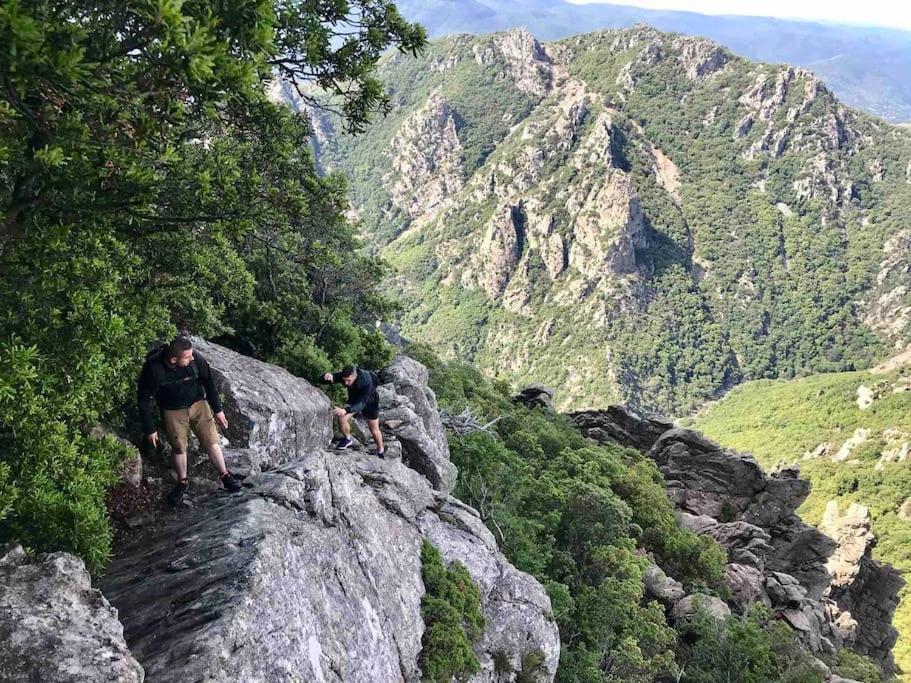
[[371, 411]]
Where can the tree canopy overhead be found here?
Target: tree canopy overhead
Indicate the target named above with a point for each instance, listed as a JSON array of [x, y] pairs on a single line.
[[147, 184]]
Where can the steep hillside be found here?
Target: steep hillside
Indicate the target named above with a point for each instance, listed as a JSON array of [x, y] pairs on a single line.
[[633, 215], [850, 434]]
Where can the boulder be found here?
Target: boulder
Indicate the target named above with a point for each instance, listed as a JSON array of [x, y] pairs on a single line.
[[691, 604], [662, 587], [270, 411], [746, 543], [621, 425], [747, 585], [54, 627], [313, 573], [408, 411], [536, 396]]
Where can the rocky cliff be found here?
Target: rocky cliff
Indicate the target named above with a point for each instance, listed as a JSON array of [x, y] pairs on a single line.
[[312, 572], [633, 215], [823, 583]]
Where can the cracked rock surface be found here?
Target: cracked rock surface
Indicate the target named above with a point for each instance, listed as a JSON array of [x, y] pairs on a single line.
[[313, 573], [56, 628]]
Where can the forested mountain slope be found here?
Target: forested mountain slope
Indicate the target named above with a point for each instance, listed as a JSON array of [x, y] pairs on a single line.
[[633, 216]]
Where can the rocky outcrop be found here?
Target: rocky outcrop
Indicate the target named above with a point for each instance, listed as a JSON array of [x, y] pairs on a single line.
[[56, 628], [527, 64], [499, 252], [313, 571], [888, 308], [272, 415], [620, 425], [536, 396], [823, 583], [700, 57], [863, 589], [409, 413], [425, 156]]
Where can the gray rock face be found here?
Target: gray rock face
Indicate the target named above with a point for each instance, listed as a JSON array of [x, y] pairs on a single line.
[[408, 411], [313, 573], [54, 627], [270, 411]]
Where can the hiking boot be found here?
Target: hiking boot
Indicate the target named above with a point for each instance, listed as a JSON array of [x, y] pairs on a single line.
[[175, 497], [230, 483], [344, 442]]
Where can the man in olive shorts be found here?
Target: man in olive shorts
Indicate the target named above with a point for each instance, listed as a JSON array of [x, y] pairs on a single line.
[[362, 400], [181, 384]]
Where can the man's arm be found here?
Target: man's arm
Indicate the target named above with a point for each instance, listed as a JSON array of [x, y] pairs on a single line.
[[329, 378], [208, 383], [145, 392]]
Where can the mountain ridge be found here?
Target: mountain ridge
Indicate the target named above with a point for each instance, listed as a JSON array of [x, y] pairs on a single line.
[[710, 218], [866, 66]]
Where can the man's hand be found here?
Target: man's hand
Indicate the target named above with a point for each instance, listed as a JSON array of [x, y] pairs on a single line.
[[221, 419], [153, 439], [327, 377], [340, 411]]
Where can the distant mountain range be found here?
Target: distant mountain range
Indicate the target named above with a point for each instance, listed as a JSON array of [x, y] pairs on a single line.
[[868, 68]]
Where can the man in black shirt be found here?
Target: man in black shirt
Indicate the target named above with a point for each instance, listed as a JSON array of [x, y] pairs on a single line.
[[362, 400], [181, 384]]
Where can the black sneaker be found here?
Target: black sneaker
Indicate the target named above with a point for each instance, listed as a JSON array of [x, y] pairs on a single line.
[[379, 454], [229, 482], [175, 497], [344, 443]]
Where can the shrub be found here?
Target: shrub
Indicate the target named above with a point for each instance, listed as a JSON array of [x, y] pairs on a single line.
[[451, 608]]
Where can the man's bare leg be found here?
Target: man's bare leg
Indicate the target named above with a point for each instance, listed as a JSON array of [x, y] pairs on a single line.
[[217, 458], [374, 426], [344, 426], [180, 464]]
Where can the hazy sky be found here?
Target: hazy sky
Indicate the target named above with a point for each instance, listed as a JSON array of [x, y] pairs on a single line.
[[896, 14]]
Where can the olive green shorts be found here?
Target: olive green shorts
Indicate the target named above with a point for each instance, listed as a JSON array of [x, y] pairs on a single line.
[[199, 418]]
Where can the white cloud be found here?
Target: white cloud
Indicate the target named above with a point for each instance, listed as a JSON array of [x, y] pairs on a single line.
[[870, 12]]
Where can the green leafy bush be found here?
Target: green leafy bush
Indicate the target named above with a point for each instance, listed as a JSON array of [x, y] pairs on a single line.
[[754, 648], [451, 608], [149, 184]]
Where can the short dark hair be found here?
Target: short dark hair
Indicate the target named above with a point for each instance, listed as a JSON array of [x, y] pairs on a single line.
[[177, 346], [348, 370]]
